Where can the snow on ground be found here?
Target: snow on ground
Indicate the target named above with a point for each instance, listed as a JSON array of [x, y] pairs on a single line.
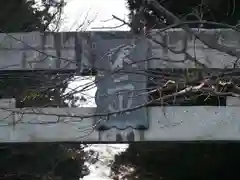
[[101, 169]]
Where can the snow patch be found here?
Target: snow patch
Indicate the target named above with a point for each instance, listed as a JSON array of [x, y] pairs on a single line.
[[102, 157]]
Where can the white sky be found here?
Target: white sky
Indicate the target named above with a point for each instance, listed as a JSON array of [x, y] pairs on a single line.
[[100, 10], [75, 13]]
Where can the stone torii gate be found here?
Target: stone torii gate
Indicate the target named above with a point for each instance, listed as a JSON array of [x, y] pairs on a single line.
[[118, 60]]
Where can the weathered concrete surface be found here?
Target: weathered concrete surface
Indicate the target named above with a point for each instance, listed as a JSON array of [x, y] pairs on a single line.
[[177, 39], [35, 50], [193, 123], [166, 124], [17, 127], [71, 50]]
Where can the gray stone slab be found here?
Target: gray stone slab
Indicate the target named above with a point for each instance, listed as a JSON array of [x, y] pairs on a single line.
[[120, 87]]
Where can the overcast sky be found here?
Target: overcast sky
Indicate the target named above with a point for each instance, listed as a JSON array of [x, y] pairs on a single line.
[[100, 10]]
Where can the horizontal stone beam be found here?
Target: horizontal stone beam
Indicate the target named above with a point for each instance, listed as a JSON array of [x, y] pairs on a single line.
[[41, 51], [47, 125], [72, 50], [179, 49], [165, 124]]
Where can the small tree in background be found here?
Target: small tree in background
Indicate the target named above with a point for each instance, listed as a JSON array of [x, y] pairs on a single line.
[[222, 11], [36, 161]]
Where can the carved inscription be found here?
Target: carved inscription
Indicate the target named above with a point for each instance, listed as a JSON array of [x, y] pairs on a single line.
[[120, 88]]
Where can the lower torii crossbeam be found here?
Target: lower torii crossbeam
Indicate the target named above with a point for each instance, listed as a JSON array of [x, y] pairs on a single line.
[[192, 123]]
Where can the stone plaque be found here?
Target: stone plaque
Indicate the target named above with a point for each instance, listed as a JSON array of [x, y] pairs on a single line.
[[121, 82]]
